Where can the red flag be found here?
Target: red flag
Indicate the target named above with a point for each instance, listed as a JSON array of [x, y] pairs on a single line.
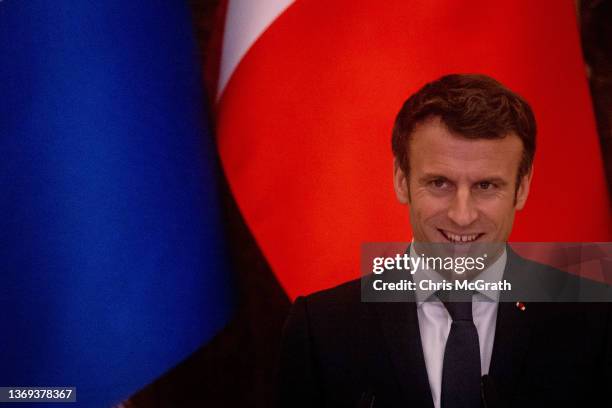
[[306, 111]]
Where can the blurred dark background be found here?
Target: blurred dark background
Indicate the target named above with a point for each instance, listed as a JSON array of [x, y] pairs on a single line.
[[237, 367]]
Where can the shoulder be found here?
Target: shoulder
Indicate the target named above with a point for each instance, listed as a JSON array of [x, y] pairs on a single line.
[[534, 281], [336, 304]]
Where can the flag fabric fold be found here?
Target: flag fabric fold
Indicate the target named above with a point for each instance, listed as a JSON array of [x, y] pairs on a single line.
[[113, 259], [305, 118]]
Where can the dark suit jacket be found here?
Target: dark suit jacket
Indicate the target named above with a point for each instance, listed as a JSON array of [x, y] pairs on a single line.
[[340, 352]]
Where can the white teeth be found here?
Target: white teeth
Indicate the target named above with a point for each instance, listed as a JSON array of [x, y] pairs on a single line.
[[460, 238]]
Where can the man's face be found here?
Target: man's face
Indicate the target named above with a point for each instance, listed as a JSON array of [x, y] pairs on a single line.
[[459, 189]]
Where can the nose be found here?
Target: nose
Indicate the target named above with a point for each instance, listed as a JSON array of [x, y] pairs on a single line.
[[462, 210]]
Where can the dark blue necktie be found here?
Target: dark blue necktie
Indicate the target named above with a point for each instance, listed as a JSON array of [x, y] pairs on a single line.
[[461, 369]]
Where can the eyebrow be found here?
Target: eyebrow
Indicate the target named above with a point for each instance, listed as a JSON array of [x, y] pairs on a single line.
[[427, 177], [495, 180], [434, 176]]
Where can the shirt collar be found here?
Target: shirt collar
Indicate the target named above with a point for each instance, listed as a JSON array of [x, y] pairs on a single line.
[[493, 273]]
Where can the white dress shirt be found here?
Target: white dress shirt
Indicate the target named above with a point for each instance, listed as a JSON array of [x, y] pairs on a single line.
[[435, 322]]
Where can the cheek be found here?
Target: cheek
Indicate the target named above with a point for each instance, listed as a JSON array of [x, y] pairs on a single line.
[[499, 213], [428, 211], [427, 204]]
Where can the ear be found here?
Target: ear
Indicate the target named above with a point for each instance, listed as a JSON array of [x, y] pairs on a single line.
[[523, 190], [400, 183]]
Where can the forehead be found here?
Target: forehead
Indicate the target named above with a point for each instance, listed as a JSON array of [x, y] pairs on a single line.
[[433, 149]]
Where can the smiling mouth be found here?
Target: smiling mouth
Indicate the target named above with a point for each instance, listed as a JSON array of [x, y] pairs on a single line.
[[460, 238]]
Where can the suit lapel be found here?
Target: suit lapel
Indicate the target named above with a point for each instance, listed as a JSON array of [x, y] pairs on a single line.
[[400, 327], [512, 335]]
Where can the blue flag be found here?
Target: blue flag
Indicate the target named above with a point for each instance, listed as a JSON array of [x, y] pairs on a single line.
[[112, 259]]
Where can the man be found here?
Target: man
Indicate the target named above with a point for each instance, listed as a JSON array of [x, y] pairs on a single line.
[[464, 147]]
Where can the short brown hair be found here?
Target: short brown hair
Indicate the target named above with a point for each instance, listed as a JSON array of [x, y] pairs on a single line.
[[470, 105]]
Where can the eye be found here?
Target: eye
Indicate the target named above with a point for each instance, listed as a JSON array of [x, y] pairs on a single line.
[[485, 185], [439, 183]]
